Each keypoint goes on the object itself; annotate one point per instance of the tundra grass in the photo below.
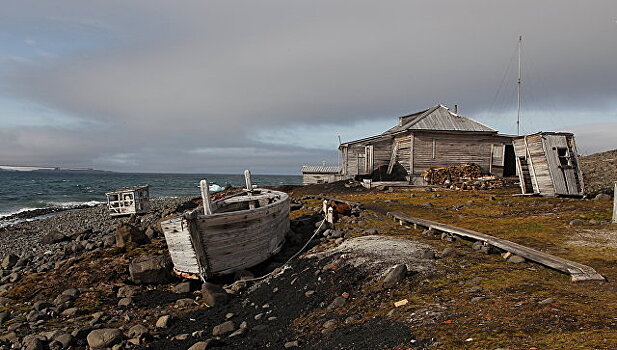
(480, 301)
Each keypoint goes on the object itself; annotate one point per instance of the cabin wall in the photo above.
(563, 163)
(382, 152)
(403, 153)
(354, 156)
(451, 149)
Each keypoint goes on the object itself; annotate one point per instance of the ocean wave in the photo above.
(75, 204)
(49, 205)
(15, 212)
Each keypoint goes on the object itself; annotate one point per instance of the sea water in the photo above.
(25, 191)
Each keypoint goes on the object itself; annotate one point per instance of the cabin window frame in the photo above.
(563, 156)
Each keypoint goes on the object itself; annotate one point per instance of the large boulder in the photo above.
(395, 274)
(213, 294)
(127, 233)
(223, 328)
(54, 237)
(150, 269)
(104, 338)
(9, 261)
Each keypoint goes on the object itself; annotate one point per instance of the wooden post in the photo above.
(615, 203)
(325, 206)
(247, 179)
(330, 216)
(205, 197)
(411, 155)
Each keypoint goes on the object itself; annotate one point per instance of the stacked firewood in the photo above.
(462, 177)
(453, 174)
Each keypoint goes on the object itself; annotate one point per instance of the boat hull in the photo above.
(225, 242)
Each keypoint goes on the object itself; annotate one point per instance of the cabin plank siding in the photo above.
(435, 137)
(552, 164)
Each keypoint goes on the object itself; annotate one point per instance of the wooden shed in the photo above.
(548, 164)
(128, 200)
(434, 137)
(319, 174)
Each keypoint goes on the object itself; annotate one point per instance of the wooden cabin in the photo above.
(319, 174)
(434, 137)
(128, 200)
(548, 164)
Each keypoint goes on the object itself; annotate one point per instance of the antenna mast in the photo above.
(518, 88)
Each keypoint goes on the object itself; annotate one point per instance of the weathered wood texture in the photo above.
(129, 200)
(615, 204)
(308, 179)
(578, 272)
(180, 245)
(228, 241)
(451, 149)
(548, 161)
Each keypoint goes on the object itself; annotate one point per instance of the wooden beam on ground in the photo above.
(578, 272)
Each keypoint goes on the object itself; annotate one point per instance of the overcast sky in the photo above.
(220, 86)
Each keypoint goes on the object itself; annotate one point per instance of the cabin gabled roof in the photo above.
(438, 118)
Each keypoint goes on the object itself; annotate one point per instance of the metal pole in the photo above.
(518, 88)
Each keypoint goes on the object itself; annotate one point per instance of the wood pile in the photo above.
(462, 177)
(449, 175)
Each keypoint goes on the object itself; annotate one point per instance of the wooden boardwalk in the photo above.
(578, 272)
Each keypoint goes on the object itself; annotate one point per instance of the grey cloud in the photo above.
(210, 74)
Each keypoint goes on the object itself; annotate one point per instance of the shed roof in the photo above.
(321, 169)
(542, 133)
(438, 118)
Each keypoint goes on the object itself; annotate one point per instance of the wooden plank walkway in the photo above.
(578, 272)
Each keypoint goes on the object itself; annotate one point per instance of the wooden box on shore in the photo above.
(129, 200)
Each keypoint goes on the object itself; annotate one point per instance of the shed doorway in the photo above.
(509, 162)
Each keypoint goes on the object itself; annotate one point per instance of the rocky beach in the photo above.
(82, 279)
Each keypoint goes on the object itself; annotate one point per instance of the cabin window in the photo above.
(564, 157)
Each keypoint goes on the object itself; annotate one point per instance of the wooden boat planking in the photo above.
(240, 231)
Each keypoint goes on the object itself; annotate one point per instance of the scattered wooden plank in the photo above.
(578, 272)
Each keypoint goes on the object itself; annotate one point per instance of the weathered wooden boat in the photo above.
(230, 234)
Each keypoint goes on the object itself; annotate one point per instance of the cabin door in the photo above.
(561, 162)
(368, 158)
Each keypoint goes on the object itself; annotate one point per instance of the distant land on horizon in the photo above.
(19, 168)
